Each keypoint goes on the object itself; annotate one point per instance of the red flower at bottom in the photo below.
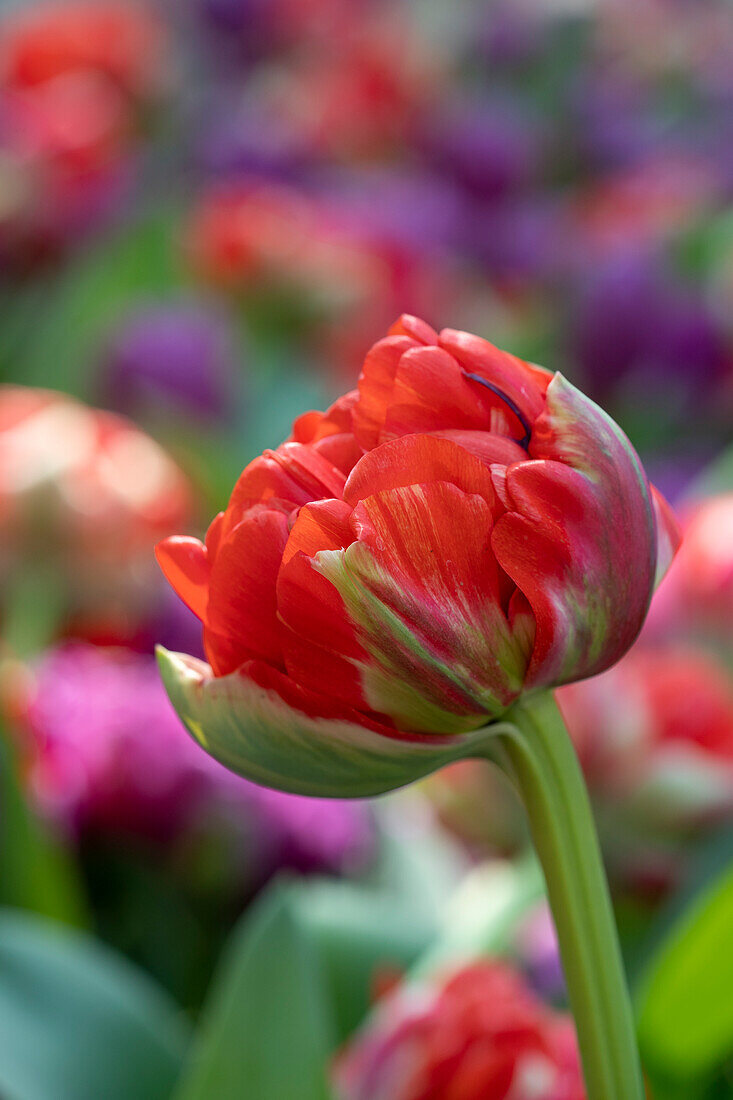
(482, 1035)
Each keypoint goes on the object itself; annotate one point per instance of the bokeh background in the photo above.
(209, 210)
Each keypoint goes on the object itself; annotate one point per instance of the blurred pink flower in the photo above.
(655, 738)
(696, 598)
(477, 1034)
(107, 754)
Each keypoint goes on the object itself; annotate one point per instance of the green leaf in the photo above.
(267, 1030)
(685, 1007)
(37, 872)
(78, 1022)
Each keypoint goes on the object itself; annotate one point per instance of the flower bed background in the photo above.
(209, 210)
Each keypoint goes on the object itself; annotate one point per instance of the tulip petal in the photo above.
(580, 542)
(261, 725)
(295, 473)
(523, 383)
(422, 589)
(409, 325)
(375, 388)
(242, 602)
(187, 568)
(420, 459)
(668, 534)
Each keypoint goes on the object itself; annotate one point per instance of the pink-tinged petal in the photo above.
(523, 383)
(187, 568)
(258, 723)
(242, 604)
(419, 459)
(375, 388)
(408, 325)
(422, 589)
(580, 540)
(295, 472)
(669, 535)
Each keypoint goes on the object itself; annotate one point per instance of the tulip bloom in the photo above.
(478, 1034)
(393, 588)
(463, 528)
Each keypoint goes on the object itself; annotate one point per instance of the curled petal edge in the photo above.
(255, 732)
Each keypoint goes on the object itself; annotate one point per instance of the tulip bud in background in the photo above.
(655, 738)
(84, 495)
(476, 1034)
(394, 577)
(696, 600)
(171, 359)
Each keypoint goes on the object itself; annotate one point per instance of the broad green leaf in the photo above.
(267, 1029)
(685, 1005)
(78, 1022)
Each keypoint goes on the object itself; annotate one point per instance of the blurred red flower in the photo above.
(480, 1034)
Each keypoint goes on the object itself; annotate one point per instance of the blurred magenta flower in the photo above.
(107, 754)
(177, 356)
(476, 1034)
(397, 574)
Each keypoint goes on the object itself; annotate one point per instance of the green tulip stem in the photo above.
(534, 749)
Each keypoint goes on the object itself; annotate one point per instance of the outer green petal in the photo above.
(255, 732)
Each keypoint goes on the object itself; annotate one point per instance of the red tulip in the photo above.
(464, 528)
(655, 738)
(480, 1034)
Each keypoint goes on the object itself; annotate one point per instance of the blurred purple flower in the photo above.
(110, 755)
(508, 33)
(632, 317)
(246, 139)
(613, 120)
(178, 356)
(400, 208)
(519, 239)
(489, 146)
(537, 947)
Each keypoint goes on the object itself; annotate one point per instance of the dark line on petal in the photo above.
(524, 441)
